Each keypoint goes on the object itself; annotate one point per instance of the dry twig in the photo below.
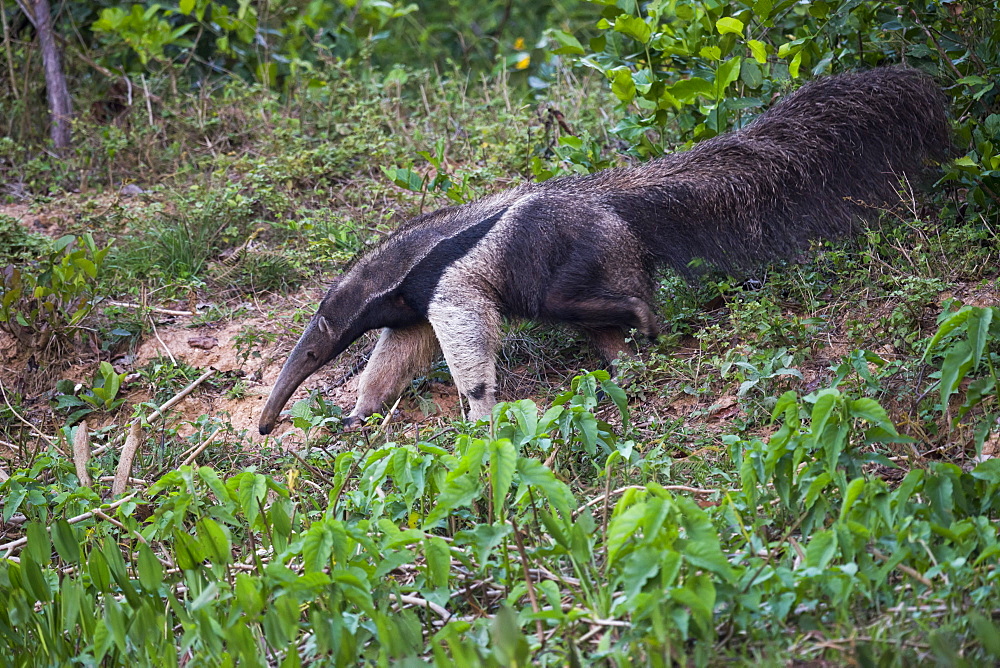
(127, 457)
(200, 448)
(81, 453)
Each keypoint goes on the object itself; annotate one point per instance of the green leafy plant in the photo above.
(314, 412)
(17, 244)
(443, 182)
(248, 342)
(81, 401)
(48, 302)
(966, 341)
(702, 68)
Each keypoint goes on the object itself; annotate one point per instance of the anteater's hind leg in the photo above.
(606, 320)
(602, 314)
(399, 356)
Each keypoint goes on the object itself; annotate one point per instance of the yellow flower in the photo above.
(523, 63)
(519, 43)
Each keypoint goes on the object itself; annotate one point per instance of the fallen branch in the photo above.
(127, 457)
(81, 453)
(164, 345)
(916, 575)
(414, 600)
(21, 542)
(154, 309)
(201, 447)
(158, 413)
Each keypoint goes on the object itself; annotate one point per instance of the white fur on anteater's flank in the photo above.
(583, 250)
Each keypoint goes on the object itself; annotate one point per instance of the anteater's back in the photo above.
(822, 158)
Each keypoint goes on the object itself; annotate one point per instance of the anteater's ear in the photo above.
(324, 325)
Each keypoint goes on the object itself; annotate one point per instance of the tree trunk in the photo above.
(60, 104)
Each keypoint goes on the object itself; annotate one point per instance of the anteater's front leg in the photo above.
(399, 356)
(468, 328)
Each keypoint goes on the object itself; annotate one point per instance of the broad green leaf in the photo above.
(97, 567)
(503, 461)
(821, 549)
(211, 478)
(687, 90)
(586, 422)
(826, 402)
(640, 566)
(988, 470)
(188, 551)
(622, 85)
(763, 9)
(508, 642)
(317, 546)
(35, 582)
(14, 496)
(869, 409)
(758, 50)
(698, 594)
(71, 597)
(728, 24)
(526, 413)
(568, 44)
(484, 538)
(251, 491)
(701, 547)
(752, 76)
(39, 547)
(438, 556)
(727, 73)
(979, 328)
(712, 53)
(618, 396)
(149, 568)
(854, 490)
(954, 368)
(215, 538)
(117, 623)
(793, 67)
(947, 326)
(536, 474)
(458, 492)
(248, 595)
(816, 487)
(634, 27)
(622, 527)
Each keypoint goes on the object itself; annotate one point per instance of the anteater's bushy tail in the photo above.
(813, 165)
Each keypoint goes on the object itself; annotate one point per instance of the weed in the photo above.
(80, 401)
(48, 302)
(248, 342)
(17, 244)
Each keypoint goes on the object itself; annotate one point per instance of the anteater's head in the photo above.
(367, 297)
